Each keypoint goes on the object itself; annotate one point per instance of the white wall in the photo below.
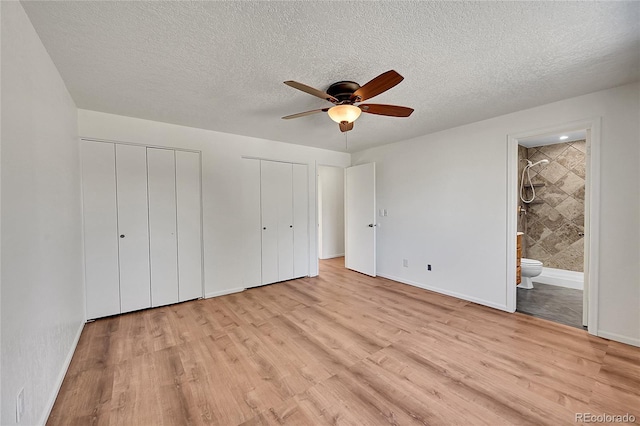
(221, 182)
(42, 290)
(331, 185)
(446, 194)
(0, 218)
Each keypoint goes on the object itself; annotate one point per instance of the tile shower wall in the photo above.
(555, 220)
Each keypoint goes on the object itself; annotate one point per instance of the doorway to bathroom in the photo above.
(551, 194)
(551, 177)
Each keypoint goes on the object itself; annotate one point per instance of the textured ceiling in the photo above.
(220, 65)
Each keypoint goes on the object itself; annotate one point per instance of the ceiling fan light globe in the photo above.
(348, 113)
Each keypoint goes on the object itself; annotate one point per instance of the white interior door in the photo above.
(100, 229)
(163, 241)
(300, 221)
(189, 225)
(251, 220)
(269, 192)
(360, 218)
(133, 227)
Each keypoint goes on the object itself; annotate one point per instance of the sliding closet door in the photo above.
(163, 242)
(275, 200)
(251, 224)
(284, 200)
(100, 229)
(133, 227)
(300, 221)
(277, 221)
(269, 182)
(189, 225)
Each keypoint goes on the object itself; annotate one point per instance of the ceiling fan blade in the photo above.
(345, 127)
(381, 83)
(310, 90)
(390, 110)
(302, 114)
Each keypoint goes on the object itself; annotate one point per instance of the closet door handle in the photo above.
(290, 226)
(264, 228)
(121, 235)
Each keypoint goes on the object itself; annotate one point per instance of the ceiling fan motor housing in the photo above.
(343, 90)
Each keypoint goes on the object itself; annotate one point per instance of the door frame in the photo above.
(592, 212)
(319, 205)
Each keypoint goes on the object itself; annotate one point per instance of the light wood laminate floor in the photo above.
(342, 348)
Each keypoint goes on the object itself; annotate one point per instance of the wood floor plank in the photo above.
(516, 403)
(332, 359)
(339, 328)
(218, 311)
(308, 364)
(342, 348)
(132, 400)
(226, 386)
(399, 374)
(275, 299)
(612, 400)
(561, 337)
(249, 308)
(370, 404)
(289, 412)
(90, 392)
(510, 342)
(364, 321)
(283, 377)
(517, 367)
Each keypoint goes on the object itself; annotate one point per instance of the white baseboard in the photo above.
(223, 292)
(561, 278)
(60, 379)
(619, 338)
(332, 256)
(446, 292)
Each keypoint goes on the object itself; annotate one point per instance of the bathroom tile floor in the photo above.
(559, 304)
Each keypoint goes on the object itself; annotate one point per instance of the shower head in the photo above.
(543, 161)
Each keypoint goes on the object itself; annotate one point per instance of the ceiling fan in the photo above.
(345, 94)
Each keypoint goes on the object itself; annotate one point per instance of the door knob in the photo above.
(265, 228)
(290, 226)
(371, 225)
(121, 235)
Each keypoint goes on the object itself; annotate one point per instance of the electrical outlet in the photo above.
(405, 263)
(428, 267)
(20, 405)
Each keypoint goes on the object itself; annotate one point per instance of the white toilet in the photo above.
(529, 268)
